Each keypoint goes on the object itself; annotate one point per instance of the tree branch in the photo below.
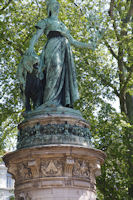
(111, 9)
(78, 6)
(130, 13)
(4, 7)
(106, 82)
(111, 14)
(18, 49)
(127, 80)
(110, 49)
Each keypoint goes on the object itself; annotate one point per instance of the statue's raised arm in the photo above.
(55, 64)
(65, 32)
(40, 30)
(79, 44)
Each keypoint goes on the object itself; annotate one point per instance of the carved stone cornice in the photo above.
(38, 170)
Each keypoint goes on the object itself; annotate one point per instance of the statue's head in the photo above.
(52, 7)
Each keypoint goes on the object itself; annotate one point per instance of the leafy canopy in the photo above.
(104, 75)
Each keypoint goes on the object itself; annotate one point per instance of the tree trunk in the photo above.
(129, 106)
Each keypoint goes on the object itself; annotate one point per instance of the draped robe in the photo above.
(60, 74)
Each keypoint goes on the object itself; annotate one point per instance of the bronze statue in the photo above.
(56, 60)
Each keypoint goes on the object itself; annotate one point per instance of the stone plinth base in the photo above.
(55, 172)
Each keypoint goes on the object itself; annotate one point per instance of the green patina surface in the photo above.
(53, 134)
(53, 110)
(55, 68)
(56, 63)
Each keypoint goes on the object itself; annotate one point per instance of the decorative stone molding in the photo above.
(33, 165)
(51, 168)
(54, 167)
(54, 160)
(68, 166)
(23, 171)
(23, 196)
(55, 172)
(81, 169)
(53, 130)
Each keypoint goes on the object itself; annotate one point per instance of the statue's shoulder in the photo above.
(63, 28)
(41, 24)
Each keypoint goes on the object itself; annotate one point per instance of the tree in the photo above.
(121, 16)
(103, 76)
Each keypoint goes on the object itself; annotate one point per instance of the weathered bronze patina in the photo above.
(55, 66)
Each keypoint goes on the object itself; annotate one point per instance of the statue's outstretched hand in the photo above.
(97, 39)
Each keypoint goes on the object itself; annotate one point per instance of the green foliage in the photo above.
(103, 76)
(12, 198)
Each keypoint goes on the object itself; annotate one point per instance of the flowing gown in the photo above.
(60, 74)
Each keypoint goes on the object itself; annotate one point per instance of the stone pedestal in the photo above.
(55, 172)
(54, 160)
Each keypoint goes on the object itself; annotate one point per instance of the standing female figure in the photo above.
(56, 59)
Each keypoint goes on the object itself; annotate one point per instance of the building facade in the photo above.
(6, 184)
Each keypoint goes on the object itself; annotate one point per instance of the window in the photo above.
(9, 182)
